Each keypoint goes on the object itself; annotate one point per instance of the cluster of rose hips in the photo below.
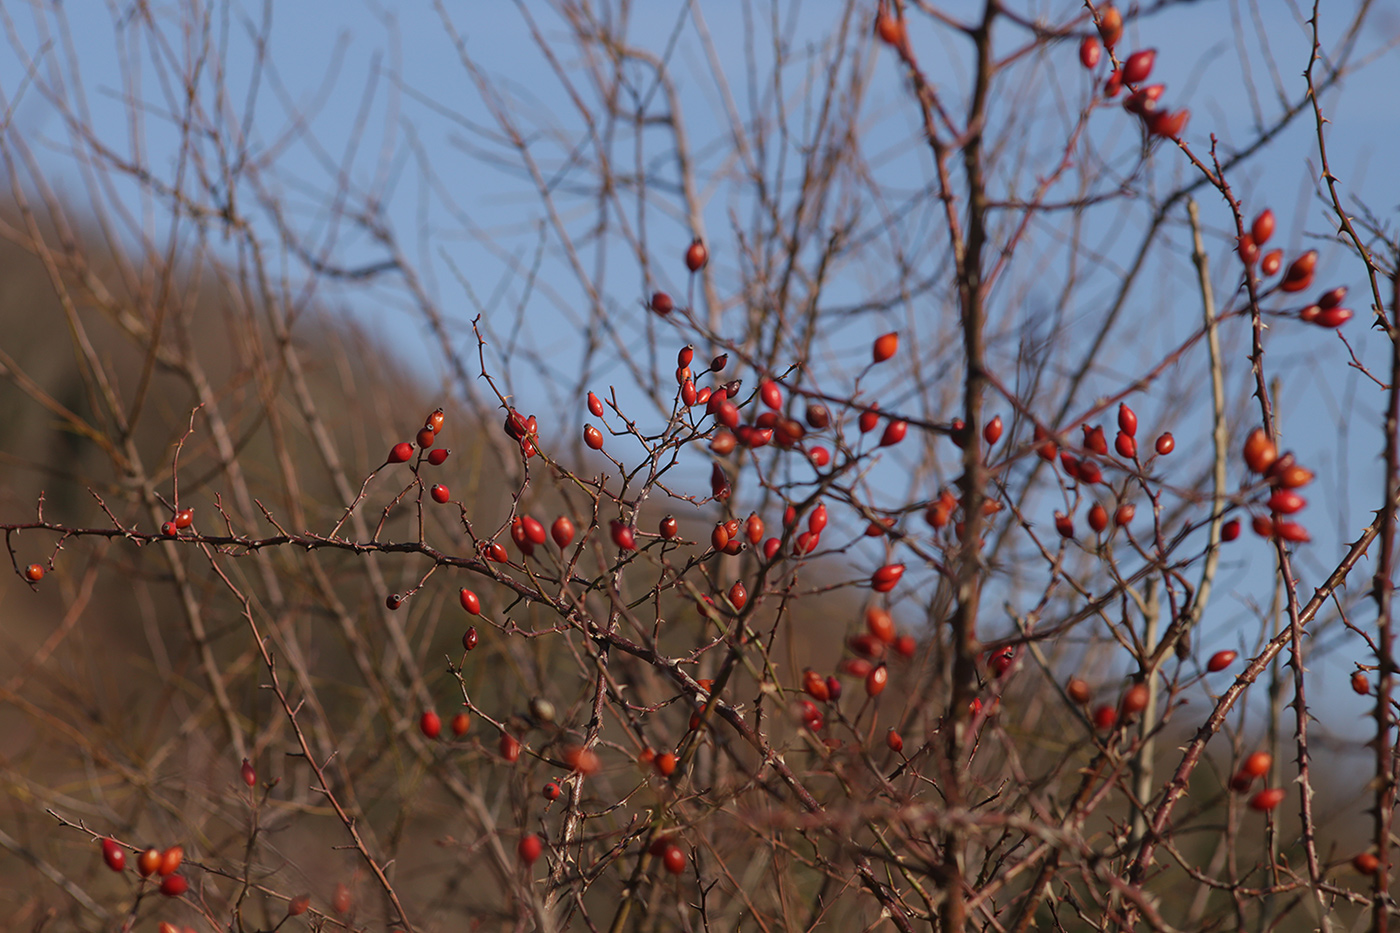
(181, 520)
(1084, 469)
(866, 663)
(162, 864)
(1142, 101)
(1285, 476)
(1326, 311)
(1256, 766)
(1134, 699)
(426, 438)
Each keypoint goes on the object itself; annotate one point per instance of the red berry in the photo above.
(771, 548)
(1366, 863)
(470, 602)
(1078, 691)
(815, 686)
(562, 531)
(661, 302)
(401, 452)
(1332, 317)
(1098, 517)
(669, 527)
(148, 862)
(885, 346)
(1127, 420)
(623, 536)
(885, 579)
(469, 637)
(753, 529)
(551, 791)
(595, 406)
(1286, 502)
(1257, 764)
(894, 740)
(665, 764)
(880, 623)
(1266, 800)
(174, 885)
(1169, 124)
(674, 860)
(437, 455)
(1230, 530)
(340, 901)
(1089, 52)
(1064, 525)
(460, 724)
(696, 256)
(817, 416)
(168, 529)
(530, 849)
(1300, 272)
(113, 855)
(816, 522)
(440, 493)
(580, 759)
(1165, 443)
(868, 420)
(1259, 451)
(1360, 683)
(889, 29)
(393, 601)
(1094, 440)
(855, 667)
(298, 905)
(738, 595)
(1090, 473)
(1263, 527)
(1263, 227)
(991, 432)
(431, 724)
(894, 433)
(1139, 66)
(592, 437)
(1104, 717)
(1124, 514)
(184, 518)
(34, 573)
(1333, 298)
(1292, 531)
(904, 646)
(1135, 700)
(876, 680)
(246, 772)
(509, 748)
(170, 860)
(1221, 660)
(1271, 263)
(532, 529)
(426, 438)
(1125, 445)
(1113, 84)
(1110, 25)
(771, 395)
